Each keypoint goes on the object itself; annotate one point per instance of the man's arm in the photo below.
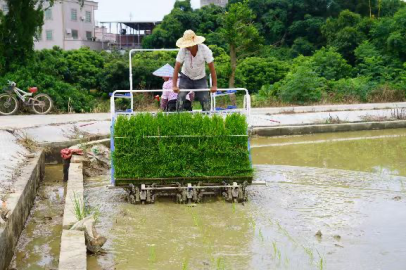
(212, 69)
(175, 77)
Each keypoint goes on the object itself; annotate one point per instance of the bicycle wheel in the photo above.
(42, 104)
(8, 104)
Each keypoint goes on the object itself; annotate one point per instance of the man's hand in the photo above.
(214, 89)
(175, 89)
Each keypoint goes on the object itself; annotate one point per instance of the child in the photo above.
(169, 97)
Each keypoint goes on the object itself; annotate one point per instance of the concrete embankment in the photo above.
(73, 248)
(16, 206)
(326, 128)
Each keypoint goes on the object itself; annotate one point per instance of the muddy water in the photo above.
(39, 244)
(378, 151)
(359, 208)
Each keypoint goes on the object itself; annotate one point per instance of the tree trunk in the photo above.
(232, 65)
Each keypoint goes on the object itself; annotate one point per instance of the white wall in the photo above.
(55, 24)
(61, 20)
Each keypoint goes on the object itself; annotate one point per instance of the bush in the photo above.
(66, 97)
(254, 72)
(180, 145)
(115, 76)
(84, 66)
(301, 86)
(328, 63)
(352, 89)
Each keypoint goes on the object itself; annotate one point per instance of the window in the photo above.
(48, 14)
(49, 35)
(88, 35)
(38, 36)
(75, 34)
(88, 17)
(74, 14)
(5, 9)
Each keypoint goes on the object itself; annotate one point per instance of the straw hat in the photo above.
(189, 39)
(165, 71)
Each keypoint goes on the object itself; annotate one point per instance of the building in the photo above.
(221, 3)
(68, 25)
(124, 34)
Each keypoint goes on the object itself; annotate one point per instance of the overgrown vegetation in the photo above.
(180, 145)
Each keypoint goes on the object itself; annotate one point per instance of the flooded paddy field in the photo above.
(39, 243)
(332, 201)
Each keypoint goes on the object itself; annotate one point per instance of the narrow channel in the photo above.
(39, 243)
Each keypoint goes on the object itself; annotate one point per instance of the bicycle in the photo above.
(40, 103)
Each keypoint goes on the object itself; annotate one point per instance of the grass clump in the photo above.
(180, 145)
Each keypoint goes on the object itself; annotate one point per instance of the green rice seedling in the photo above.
(180, 145)
(321, 261)
(286, 261)
(220, 264)
(275, 249)
(253, 223)
(234, 207)
(152, 255)
(261, 235)
(185, 264)
(286, 233)
(309, 252)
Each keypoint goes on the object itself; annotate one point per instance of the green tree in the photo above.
(330, 64)
(389, 34)
(18, 28)
(241, 35)
(165, 35)
(303, 47)
(345, 33)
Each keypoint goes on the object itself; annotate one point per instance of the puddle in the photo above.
(352, 197)
(39, 243)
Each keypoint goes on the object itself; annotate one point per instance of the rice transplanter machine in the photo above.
(184, 189)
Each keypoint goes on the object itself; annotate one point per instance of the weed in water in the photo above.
(81, 210)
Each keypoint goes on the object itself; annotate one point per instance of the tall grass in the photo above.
(180, 145)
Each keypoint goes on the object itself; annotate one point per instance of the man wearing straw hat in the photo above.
(193, 56)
